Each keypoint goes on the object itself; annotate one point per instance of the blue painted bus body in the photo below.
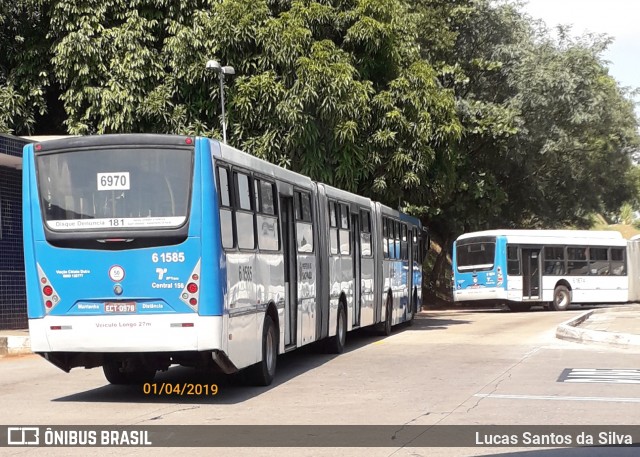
(487, 280)
(115, 279)
(151, 278)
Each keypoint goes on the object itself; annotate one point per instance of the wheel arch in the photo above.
(563, 282)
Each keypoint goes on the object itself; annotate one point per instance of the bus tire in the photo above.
(336, 344)
(386, 330)
(414, 308)
(114, 374)
(263, 372)
(561, 298)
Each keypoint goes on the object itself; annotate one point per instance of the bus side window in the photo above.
(392, 238)
(345, 230)
(245, 227)
(385, 237)
(598, 262)
(617, 262)
(266, 218)
(333, 227)
(396, 243)
(415, 247)
(365, 233)
(513, 261)
(554, 260)
(304, 227)
(577, 261)
(226, 211)
(404, 243)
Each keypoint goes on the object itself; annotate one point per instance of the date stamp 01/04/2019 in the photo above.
(180, 388)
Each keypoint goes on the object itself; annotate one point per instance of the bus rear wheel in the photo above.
(336, 344)
(561, 299)
(386, 330)
(414, 307)
(263, 372)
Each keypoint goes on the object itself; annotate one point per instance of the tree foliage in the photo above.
(25, 64)
(334, 89)
(466, 112)
(547, 132)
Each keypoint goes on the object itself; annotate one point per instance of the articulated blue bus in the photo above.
(145, 251)
(552, 268)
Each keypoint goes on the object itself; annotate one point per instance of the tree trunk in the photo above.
(439, 287)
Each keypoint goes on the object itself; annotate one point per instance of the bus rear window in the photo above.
(114, 189)
(475, 254)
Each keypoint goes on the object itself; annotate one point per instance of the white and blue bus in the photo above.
(144, 251)
(553, 268)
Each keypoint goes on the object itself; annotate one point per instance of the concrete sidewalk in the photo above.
(14, 342)
(617, 326)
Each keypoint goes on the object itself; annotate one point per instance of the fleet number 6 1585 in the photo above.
(168, 257)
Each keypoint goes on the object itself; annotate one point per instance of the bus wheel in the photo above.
(337, 343)
(113, 371)
(561, 298)
(387, 321)
(263, 372)
(414, 307)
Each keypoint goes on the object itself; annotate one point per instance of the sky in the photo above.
(620, 19)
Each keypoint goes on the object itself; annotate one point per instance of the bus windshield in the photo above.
(476, 253)
(124, 188)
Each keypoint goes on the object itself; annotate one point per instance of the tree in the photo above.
(25, 69)
(333, 89)
(542, 123)
(462, 111)
(578, 132)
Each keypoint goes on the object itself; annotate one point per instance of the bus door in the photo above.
(531, 273)
(357, 276)
(290, 271)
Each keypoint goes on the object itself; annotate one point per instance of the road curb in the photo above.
(570, 331)
(14, 345)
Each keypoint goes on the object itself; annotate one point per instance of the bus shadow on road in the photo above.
(426, 321)
(229, 389)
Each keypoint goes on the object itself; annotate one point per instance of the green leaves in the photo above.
(462, 111)
(24, 65)
(415, 116)
(579, 131)
(541, 144)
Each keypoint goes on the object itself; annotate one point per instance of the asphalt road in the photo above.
(449, 368)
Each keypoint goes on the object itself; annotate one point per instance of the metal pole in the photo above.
(224, 121)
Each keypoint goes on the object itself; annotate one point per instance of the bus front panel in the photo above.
(479, 268)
